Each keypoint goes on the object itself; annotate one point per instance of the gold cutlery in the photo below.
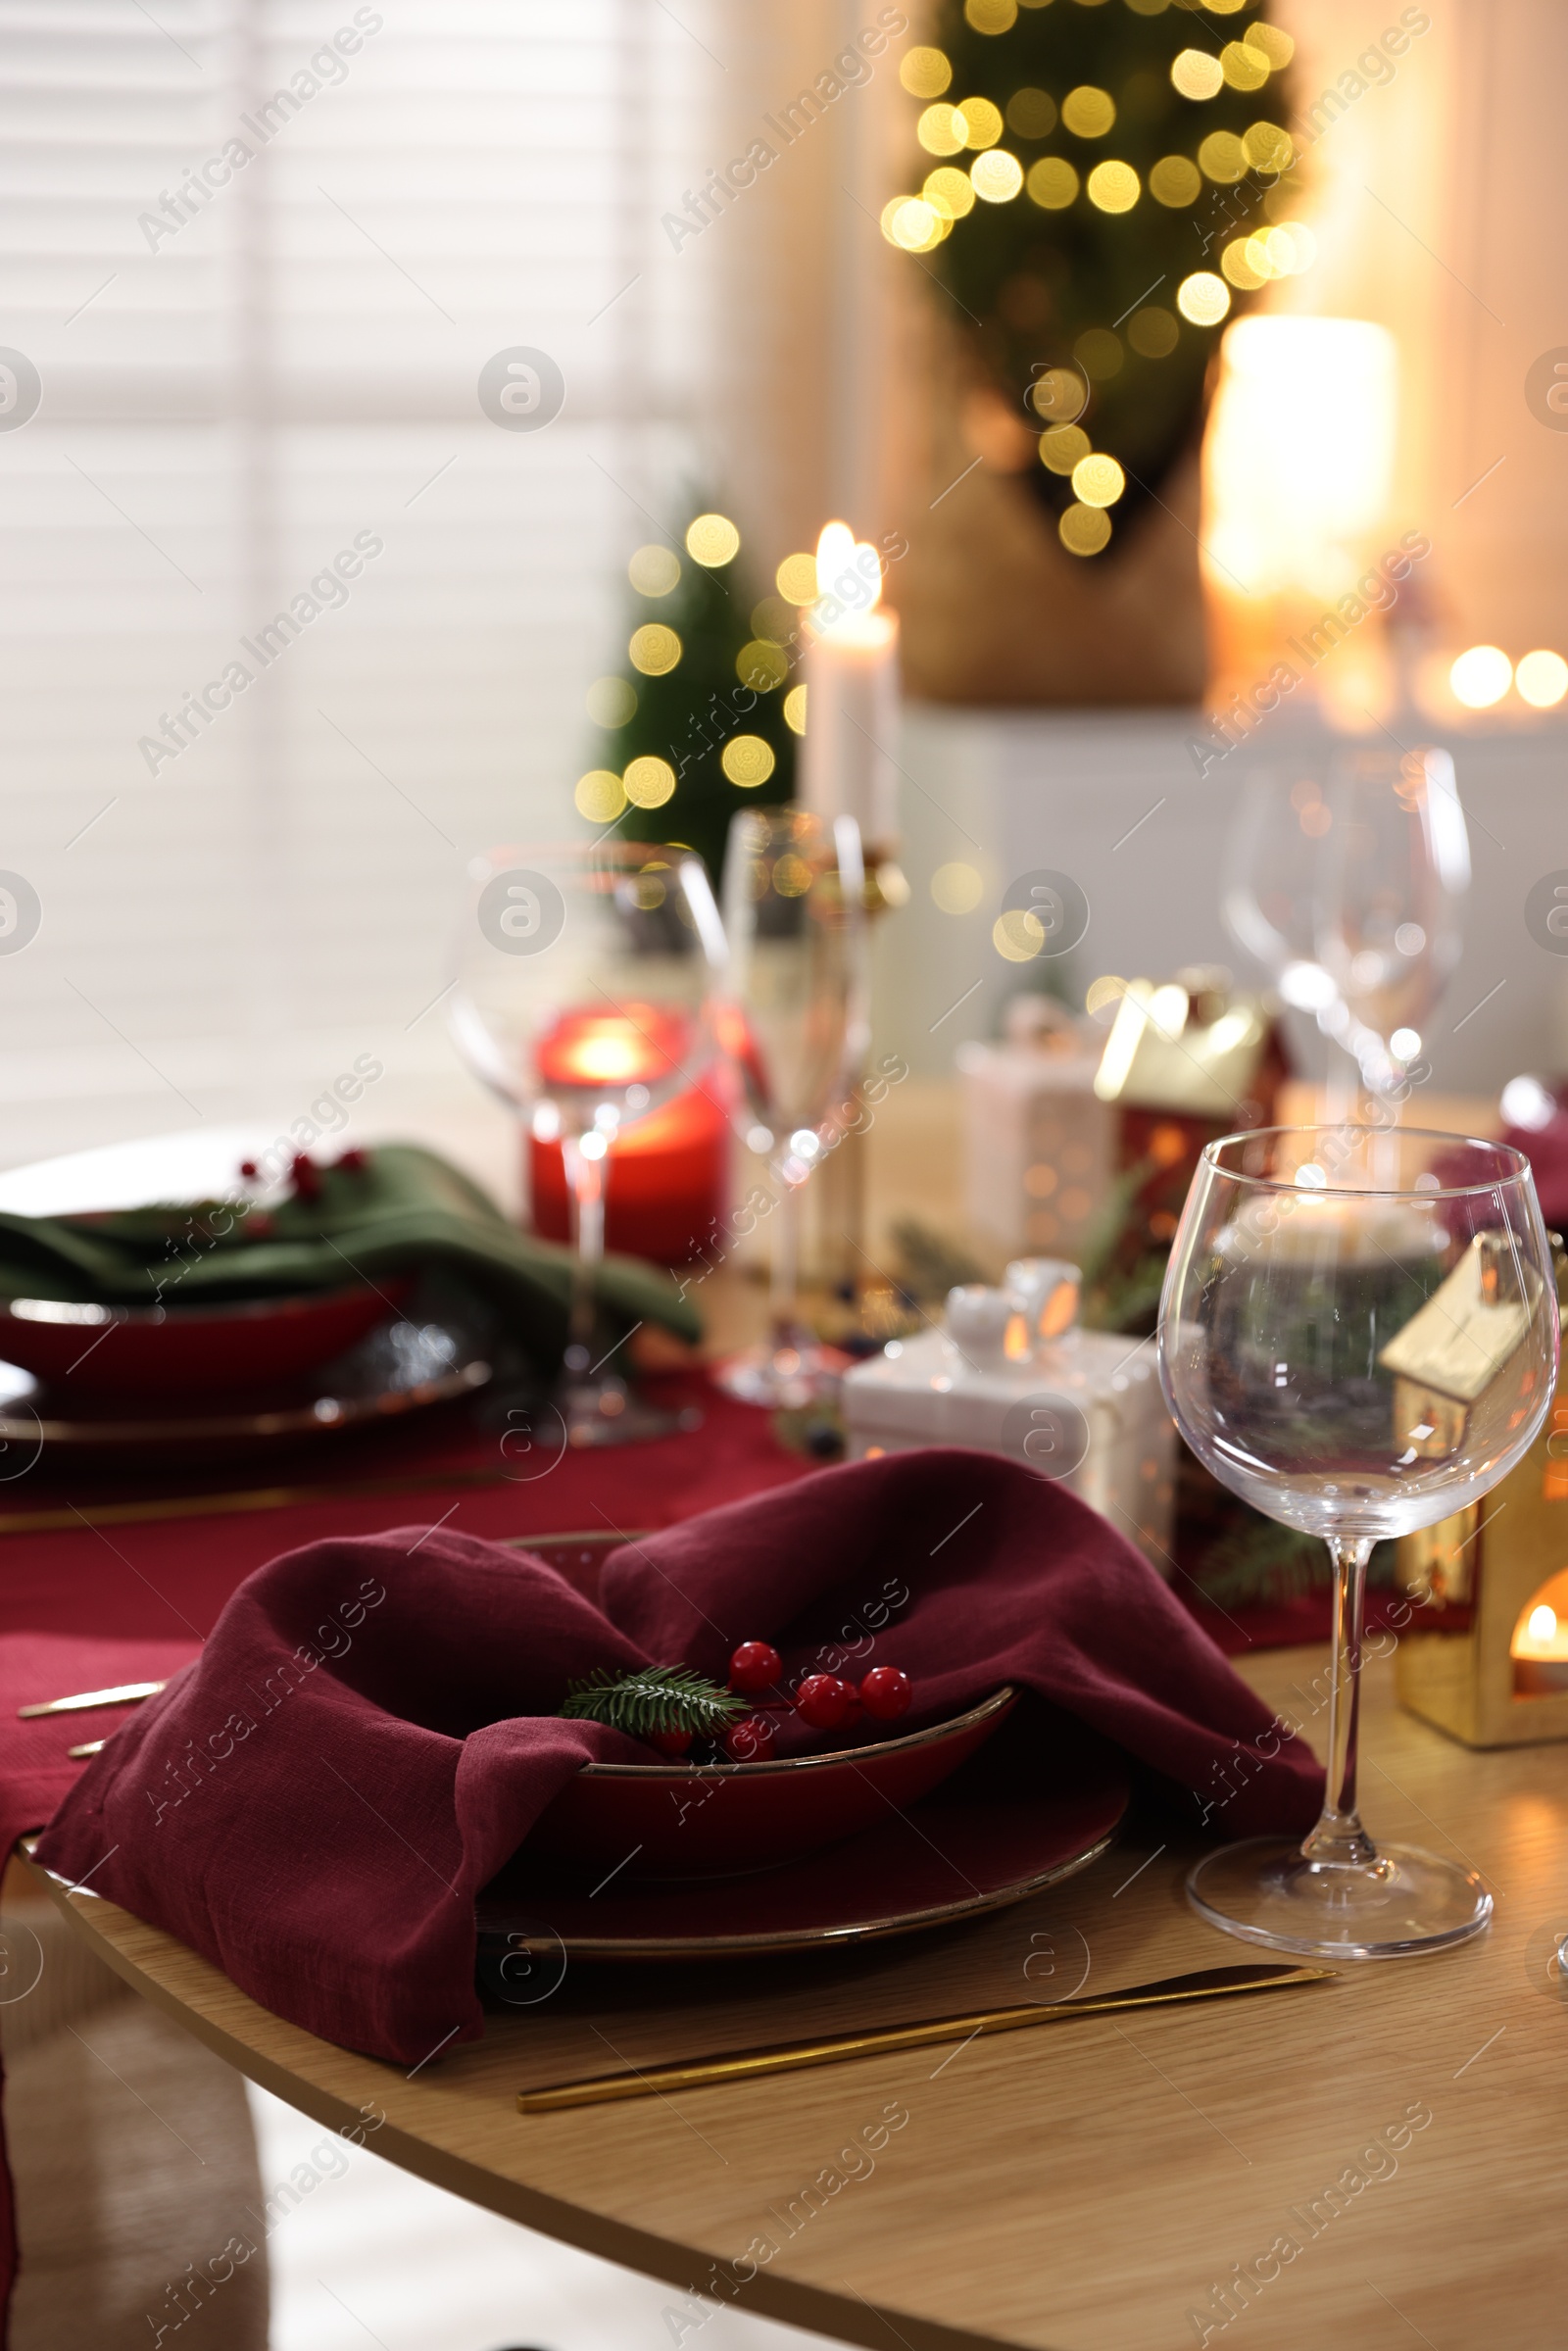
(123, 1693)
(94, 1747)
(1207, 1984)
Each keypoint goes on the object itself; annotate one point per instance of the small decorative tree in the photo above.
(705, 714)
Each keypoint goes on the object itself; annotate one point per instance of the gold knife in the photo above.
(786, 2057)
(123, 1693)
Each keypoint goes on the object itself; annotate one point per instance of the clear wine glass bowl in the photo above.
(583, 996)
(1359, 1334)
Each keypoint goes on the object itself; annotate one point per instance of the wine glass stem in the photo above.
(784, 1286)
(1339, 1835)
(585, 1179)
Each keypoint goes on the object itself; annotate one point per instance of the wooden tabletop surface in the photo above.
(1385, 2154)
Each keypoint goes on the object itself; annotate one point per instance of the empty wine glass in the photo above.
(1395, 859)
(583, 996)
(797, 1015)
(1359, 1335)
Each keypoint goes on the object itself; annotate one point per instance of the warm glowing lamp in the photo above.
(1298, 461)
(852, 702)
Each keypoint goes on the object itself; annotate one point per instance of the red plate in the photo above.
(188, 1350)
(680, 1821)
(1042, 1800)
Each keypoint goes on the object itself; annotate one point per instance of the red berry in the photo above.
(823, 1701)
(669, 1742)
(755, 1665)
(885, 1692)
(351, 1162)
(749, 1740)
(247, 1168)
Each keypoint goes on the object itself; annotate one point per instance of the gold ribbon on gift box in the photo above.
(1186, 1045)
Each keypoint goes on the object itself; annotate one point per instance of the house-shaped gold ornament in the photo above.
(1485, 1658)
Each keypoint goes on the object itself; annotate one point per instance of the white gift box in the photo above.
(1039, 1144)
(1009, 1372)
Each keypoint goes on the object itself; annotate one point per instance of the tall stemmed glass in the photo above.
(1394, 867)
(796, 1009)
(583, 996)
(1359, 1335)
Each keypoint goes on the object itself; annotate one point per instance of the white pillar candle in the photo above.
(852, 698)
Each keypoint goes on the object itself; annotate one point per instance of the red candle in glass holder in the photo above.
(667, 1175)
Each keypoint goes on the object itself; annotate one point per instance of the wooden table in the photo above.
(1085, 2186)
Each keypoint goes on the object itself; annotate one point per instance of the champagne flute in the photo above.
(1359, 1335)
(796, 1009)
(583, 997)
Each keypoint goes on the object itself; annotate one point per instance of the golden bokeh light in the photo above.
(1148, 8)
(1302, 243)
(794, 710)
(611, 700)
(653, 571)
(1031, 114)
(1018, 934)
(925, 73)
(791, 876)
(1243, 65)
(1481, 677)
(1059, 395)
(712, 540)
(1226, 8)
(1098, 352)
(599, 796)
(991, 16)
(950, 192)
(997, 175)
(1114, 188)
(1195, 73)
(796, 579)
(761, 665)
(1265, 147)
(1063, 447)
(774, 620)
(1098, 481)
(654, 649)
(982, 123)
(748, 760)
(1152, 332)
(1276, 46)
(1084, 529)
(957, 888)
(1222, 158)
(649, 782)
(1236, 263)
(1175, 180)
(1053, 183)
(910, 223)
(942, 131)
(1204, 298)
(1102, 992)
(1543, 679)
(1086, 112)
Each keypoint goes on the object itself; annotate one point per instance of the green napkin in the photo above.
(400, 1210)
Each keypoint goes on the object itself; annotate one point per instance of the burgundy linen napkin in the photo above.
(1546, 1149)
(370, 1731)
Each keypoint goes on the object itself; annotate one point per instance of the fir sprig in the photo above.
(653, 1697)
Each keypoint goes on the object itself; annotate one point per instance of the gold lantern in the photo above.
(1485, 1655)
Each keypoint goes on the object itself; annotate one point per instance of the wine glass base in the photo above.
(1404, 1901)
(610, 1414)
(782, 1378)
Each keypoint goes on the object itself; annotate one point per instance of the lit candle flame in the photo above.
(1542, 1625)
(849, 578)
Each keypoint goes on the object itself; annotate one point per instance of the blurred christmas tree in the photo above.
(1123, 187)
(706, 716)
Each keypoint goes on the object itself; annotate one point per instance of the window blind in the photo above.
(291, 625)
